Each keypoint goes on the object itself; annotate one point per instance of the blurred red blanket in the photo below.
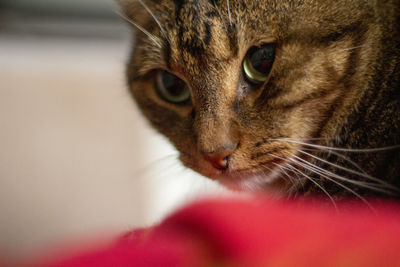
(259, 232)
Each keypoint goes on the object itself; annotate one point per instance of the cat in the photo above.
(298, 97)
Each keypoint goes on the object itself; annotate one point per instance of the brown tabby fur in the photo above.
(334, 82)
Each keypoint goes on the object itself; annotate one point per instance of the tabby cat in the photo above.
(293, 96)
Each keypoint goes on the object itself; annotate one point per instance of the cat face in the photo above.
(237, 86)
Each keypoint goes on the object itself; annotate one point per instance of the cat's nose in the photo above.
(219, 160)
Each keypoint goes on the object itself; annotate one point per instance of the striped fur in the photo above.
(334, 83)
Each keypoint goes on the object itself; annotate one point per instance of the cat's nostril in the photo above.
(219, 160)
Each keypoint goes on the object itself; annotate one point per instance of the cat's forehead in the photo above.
(201, 35)
(198, 34)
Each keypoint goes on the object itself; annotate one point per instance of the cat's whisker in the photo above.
(291, 168)
(387, 185)
(165, 175)
(157, 162)
(351, 48)
(152, 37)
(253, 187)
(325, 173)
(299, 181)
(305, 166)
(295, 183)
(329, 151)
(318, 185)
(229, 12)
(270, 170)
(288, 165)
(285, 173)
(174, 176)
(310, 139)
(354, 150)
(338, 155)
(309, 178)
(155, 19)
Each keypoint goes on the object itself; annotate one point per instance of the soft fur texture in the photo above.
(333, 91)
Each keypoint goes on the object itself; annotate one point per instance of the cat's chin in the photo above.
(256, 181)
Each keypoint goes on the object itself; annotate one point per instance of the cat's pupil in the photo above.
(171, 88)
(258, 63)
(173, 84)
(262, 59)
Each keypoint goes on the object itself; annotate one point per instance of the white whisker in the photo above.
(383, 183)
(308, 178)
(338, 155)
(286, 164)
(155, 19)
(299, 181)
(351, 48)
(318, 185)
(170, 159)
(284, 172)
(355, 150)
(324, 172)
(334, 181)
(152, 37)
(293, 181)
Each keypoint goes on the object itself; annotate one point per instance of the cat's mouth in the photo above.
(264, 176)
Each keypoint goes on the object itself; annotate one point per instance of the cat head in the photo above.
(238, 85)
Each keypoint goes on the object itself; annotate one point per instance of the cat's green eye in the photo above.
(258, 63)
(170, 88)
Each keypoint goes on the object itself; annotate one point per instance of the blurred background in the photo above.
(76, 157)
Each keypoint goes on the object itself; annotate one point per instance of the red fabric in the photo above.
(259, 232)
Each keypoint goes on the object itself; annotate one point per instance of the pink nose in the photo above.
(219, 160)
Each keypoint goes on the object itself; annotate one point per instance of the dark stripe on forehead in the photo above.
(178, 7)
(207, 31)
(326, 38)
(233, 39)
(178, 4)
(342, 31)
(195, 23)
(167, 54)
(190, 32)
